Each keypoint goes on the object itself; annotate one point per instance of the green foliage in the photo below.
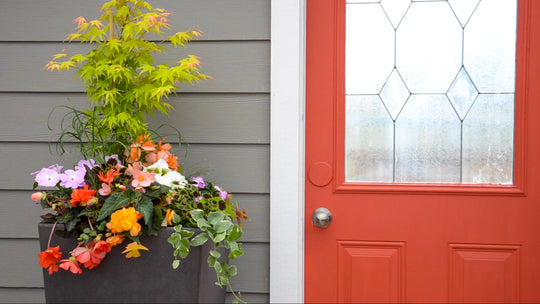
(120, 76)
(219, 228)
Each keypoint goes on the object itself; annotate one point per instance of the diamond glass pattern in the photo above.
(462, 93)
(394, 94)
(444, 112)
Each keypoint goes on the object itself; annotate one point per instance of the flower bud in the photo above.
(92, 201)
(38, 196)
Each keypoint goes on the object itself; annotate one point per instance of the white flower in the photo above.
(160, 167)
(172, 179)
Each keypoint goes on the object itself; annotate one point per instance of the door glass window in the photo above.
(429, 91)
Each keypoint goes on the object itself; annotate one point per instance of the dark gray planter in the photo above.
(149, 278)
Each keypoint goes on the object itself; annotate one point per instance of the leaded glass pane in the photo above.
(428, 44)
(429, 90)
(488, 141)
(368, 66)
(428, 141)
(490, 44)
(368, 140)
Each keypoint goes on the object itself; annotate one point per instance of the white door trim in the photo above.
(287, 151)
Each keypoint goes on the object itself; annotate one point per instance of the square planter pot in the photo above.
(149, 278)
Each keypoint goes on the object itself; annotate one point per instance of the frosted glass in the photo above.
(368, 140)
(463, 9)
(369, 50)
(488, 140)
(395, 9)
(428, 141)
(462, 93)
(394, 94)
(428, 44)
(429, 88)
(489, 50)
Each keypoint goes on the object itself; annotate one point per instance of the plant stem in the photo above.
(50, 235)
(90, 223)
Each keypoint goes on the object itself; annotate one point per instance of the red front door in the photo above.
(392, 241)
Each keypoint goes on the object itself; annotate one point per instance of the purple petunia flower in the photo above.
(72, 179)
(48, 177)
(200, 181)
(82, 164)
(115, 156)
(222, 193)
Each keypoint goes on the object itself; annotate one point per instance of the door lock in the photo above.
(321, 217)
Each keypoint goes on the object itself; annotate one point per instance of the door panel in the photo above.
(413, 241)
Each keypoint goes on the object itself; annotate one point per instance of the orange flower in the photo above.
(132, 250)
(109, 176)
(146, 143)
(169, 216)
(82, 196)
(173, 162)
(49, 257)
(101, 247)
(125, 220)
(71, 265)
(135, 153)
(116, 239)
(165, 147)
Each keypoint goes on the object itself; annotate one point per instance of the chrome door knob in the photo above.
(321, 217)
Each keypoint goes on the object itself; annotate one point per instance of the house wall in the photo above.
(225, 121)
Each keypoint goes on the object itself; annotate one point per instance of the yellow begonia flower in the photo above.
(132, 250)
(125, 220)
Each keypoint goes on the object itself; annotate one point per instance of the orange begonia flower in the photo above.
(116, 239)
(71, 265)
(169, 216)
(49, 257)
(165, 147)
(132, 250)
(109, 176)
(125, 220)
(82, 196)
(146, 143)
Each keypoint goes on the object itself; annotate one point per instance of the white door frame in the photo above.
(287, 151)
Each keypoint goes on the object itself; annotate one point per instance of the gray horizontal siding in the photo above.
(201, 118)
(21, 295)
(29, 274)
(236, 67)
(224, 121)
(18, 213)
(219, 19)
